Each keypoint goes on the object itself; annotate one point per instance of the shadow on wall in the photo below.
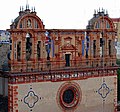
(3, 104)
(118, 81)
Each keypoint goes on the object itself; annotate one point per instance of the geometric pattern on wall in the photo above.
(31, 99)
(104, 90)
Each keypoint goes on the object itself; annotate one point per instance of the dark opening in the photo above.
(109, 44)
(94, 48)
(10, 47)
(38, 49)
(18, 50)
(101, 42)
(68, 96)
(28, 47)
(112, 64)
(86, 53)
(67, 58)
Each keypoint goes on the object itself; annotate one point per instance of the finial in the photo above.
(26, 6)
(20, 8)
(34, 9)
(94, 13)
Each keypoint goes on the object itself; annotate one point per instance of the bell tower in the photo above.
(27, 32)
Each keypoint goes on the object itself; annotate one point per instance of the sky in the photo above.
(58, 14)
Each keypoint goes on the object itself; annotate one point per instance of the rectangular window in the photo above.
(86, 53)
(94, 48)
(67, 58)
(109, 46)
(39, 49)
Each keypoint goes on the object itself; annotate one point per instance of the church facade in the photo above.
(62, 70)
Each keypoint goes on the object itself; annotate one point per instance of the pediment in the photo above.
(68, 47)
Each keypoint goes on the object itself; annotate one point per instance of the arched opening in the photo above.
(29, 25)
(18, 51)
(28, 46)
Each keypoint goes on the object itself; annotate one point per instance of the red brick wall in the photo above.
(12, 98)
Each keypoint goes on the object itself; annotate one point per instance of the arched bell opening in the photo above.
(28, 46)
(18, 51)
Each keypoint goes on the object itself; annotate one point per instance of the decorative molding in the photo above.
(54, 76)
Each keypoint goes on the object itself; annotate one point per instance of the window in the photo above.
(18, 50)
(10, 47)
(24, 23)
(35, 24)
(67, 58)
(109, 45)
(29, 25)
(87, 46)
(97, 25)
(86, 53)
(94, 48)
(69, 96)
(20, 25)
(38, 49)
(107, 25)
(28, 46)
